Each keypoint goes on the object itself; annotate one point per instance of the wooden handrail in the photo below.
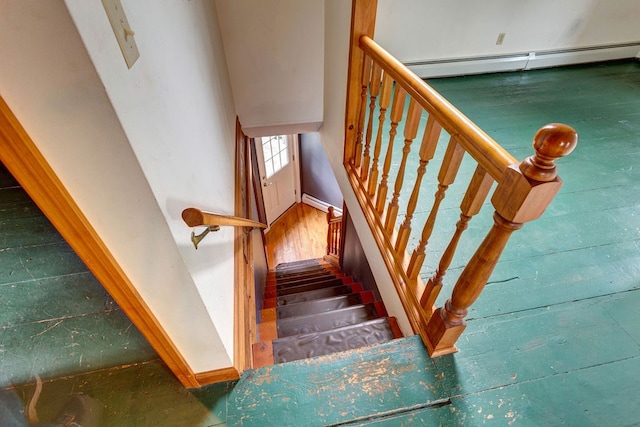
(523, 192)
(195, 217)
(487, 152)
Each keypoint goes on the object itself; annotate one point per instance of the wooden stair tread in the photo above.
(311, 295)
(308, 287)
(305, 279)
(297, 264)
(335, 340)
(327, 320)
(318, 306)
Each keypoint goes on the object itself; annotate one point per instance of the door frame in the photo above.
(295, 159)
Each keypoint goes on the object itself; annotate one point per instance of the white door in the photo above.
(277, 161)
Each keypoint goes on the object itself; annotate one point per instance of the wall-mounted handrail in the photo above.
(194, 217)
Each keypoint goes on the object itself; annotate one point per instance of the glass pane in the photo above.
(276, 164)
(282, 142)
(284, 158)
(266, 148)
(276, 153)
(269, 168)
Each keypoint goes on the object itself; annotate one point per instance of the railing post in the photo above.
(522, 195)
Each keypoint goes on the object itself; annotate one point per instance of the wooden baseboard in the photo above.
(217, 376)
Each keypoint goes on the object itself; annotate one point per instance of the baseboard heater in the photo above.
(320, 204)
(523, 61)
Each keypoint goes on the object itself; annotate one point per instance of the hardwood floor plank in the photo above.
(300, 233)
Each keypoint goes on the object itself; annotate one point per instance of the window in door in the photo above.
(276, 154)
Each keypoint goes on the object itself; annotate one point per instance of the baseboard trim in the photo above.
(217, 376)
(320, 204)
(523, 60)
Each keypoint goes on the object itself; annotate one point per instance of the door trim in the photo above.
(294, 145)
(29, 167)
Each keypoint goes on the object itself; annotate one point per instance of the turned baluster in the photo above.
(366, 74)
(397, 108)
(522, 195)
(330, 232)
(448, 171)
(385, 97)
(410, 132)
(374, 89)
(474, 197)
(427, 151)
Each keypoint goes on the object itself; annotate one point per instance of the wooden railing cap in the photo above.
(550, 142)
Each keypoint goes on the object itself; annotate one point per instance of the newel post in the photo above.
(522, 195)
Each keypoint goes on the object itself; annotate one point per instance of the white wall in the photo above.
(274, 51)
(428, 30)
(134, 147)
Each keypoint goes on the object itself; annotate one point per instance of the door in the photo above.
(278, 173)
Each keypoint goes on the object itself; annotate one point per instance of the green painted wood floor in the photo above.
(553, 340)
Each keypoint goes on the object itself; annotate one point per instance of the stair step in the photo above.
(311, 295)
(297, 264)
(326, 321)
(303, 346)
(305, 279)
(318, 306)
(297, 273)
(309, 287)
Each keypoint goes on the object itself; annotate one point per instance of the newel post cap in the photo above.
(550, 142)
(525, 190)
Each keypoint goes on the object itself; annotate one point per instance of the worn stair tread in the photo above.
(309, 287)
(335, 340)
(299, 263)
(327, 320)
(299, 268)
(305, 279)
(318, 306)
(299, 273)
(311, 295)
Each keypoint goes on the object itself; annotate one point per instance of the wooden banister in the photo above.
(523, 193)
(493, 158)
(524, 189)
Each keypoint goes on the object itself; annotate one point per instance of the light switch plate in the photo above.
(124, 33)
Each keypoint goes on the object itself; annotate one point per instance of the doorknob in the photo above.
(267, 184)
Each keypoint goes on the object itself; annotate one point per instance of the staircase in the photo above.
(311, 309)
